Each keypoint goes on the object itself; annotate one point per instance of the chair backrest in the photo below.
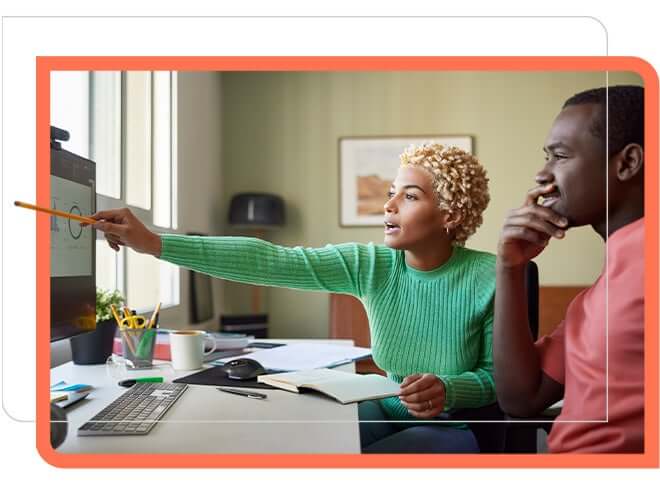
(532, 287)
(493, 437)
(348, 320)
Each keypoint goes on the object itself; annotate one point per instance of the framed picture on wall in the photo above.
(367, 168)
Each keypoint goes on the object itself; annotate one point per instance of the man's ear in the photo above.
(630, 162)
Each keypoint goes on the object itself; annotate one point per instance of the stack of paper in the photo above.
(305, 356)
(230, 341)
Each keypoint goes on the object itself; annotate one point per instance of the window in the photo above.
(137, 139)
(105, 129)
(126, 123)
(69, 108)
(163, 114)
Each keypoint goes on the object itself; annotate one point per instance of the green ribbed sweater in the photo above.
(438, 321)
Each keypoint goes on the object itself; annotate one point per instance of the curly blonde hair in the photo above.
(459, 181)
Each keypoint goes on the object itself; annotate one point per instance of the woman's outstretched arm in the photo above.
(347, 268)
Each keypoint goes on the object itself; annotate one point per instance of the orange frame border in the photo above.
(44, 65)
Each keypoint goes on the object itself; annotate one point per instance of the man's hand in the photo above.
(528, 229)
(122, 228)
(423, 394)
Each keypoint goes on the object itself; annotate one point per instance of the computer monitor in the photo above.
(201, 295)
(72, 248)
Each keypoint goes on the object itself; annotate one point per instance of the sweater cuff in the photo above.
(450, 393)
(165, 245)
(466, 391)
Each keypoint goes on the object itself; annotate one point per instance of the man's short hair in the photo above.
(625, 121)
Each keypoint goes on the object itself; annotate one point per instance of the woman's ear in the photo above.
(631, 161)
(451, 221)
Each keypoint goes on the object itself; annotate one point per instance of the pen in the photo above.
(247, 394)
(340, 363)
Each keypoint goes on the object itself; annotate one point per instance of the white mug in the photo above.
(187, 349)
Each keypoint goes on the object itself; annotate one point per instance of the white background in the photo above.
(631, 31)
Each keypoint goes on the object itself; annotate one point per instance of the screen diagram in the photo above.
(70, 243)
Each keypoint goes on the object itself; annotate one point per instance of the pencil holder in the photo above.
(138, 347)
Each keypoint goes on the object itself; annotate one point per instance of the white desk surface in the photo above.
(205, 420)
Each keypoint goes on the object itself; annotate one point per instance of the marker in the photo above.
(130, 382)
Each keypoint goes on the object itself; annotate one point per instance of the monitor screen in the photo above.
(201, 295)
(72, 249)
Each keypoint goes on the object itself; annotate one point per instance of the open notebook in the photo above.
(342, 386)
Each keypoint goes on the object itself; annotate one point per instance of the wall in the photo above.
(280, 135)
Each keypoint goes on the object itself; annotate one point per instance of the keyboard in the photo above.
(135, 412)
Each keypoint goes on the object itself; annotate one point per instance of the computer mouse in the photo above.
(243, 369)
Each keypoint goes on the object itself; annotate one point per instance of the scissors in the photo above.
(133, 322)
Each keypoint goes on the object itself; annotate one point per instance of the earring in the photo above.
(447, 229)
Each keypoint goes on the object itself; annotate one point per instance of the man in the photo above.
(594, 359)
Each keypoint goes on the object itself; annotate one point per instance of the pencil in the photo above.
(128, 340)
(153, 317)
(53, 211)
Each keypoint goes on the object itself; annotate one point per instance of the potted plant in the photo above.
(95, 347)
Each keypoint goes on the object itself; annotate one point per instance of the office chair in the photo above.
(505, 434)
(521, 435)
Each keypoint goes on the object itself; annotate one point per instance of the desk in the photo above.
(205, 420)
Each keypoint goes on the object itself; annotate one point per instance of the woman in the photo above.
(429, 300)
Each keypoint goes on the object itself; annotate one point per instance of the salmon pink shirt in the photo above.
(602, 370)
